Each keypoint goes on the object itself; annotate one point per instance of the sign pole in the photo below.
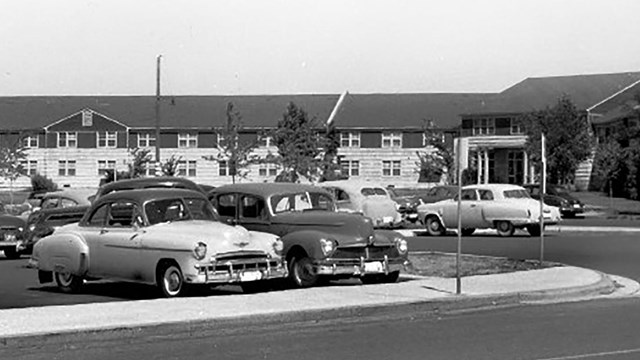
(543, 191)
(459, 247)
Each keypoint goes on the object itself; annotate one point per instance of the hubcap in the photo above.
(65, 279)
(172, 282)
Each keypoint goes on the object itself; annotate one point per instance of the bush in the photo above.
(41, 183)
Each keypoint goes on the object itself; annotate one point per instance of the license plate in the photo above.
(373, 267)
(250, 276)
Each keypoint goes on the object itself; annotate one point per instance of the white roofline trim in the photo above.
(612, 96)
(46, 128)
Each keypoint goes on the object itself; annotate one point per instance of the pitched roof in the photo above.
(405, 110)
(539, 93)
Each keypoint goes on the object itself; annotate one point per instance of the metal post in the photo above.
(158, 112)
(543, 191)
(459, 247)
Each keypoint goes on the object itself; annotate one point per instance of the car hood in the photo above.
(219, 237)
(10, 222)
(346, 228)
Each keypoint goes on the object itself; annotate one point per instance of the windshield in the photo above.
(516, 194)
(168, 210)
(373, 192)
(302, 201)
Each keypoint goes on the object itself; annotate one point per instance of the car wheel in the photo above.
(381, 278)
(170, 280)
(533, 230)
(505, 228)
(68, 282)
(434, 226)
(11, 253)
(303, 272)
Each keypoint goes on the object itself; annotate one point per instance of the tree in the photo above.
(141, 159)
(300, 145)
(12, 155)
(568, 139)
(330, 163)
(237, 153)
(170, 166)
(438, 160)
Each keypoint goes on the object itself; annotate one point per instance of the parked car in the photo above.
(44, 222)
(11, 228)
(502, 207)
(160, 182)
(65, 198)
(438, 193)
(319, 242)
(559, 197)
(167, 237)
(367, 198)
(409, 199)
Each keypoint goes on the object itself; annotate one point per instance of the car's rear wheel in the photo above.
(68, 282)
(170, 280)
(533, 230)
(505, 228)
(434, 226)
(468, 231)
(380, 278)
(302, 271)
(11, 253)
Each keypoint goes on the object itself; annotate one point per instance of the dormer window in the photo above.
(107, 139)
(87, 118)
(391, 140)
(350, 139)
(484, 127)
(67, 139)
(186, 140)
(30, 142)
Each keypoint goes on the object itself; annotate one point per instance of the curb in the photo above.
(455, 303)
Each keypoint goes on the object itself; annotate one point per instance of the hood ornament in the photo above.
(241, 244)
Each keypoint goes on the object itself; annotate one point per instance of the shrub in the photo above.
(41, 183)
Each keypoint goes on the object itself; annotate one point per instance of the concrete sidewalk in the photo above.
(19, 326)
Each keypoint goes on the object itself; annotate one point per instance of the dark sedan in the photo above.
(557, 196)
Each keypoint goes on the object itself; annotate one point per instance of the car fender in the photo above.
(64, 252)
(309, 240)
(386, 237)
(437, 213)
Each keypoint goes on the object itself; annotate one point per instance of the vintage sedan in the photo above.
(502, 207)
(11, 228)
(367, 198)
(171, 238)
(319, 242)
(557, 196)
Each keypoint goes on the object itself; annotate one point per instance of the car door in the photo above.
(227, 206)
(471, 211)
(115, 244)
(253, 213)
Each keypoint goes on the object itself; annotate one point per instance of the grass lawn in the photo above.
(444, 264)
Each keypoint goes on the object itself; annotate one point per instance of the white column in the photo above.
(479, 167)
(525, 166)
(486, 166)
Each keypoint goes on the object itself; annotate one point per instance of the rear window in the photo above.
(516, 194)
(373, 192)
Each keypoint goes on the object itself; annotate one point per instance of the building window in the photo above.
(391, 168)
(268, 170)
(67, 167)
(390, 140)
(30, 167)
(223, 168)
(67, 139)
(87, 118)
(516, 129)
(30, 142)
(187, 140)
(146, 140)
(104, 165)
(428, 139)
(350, 139)
(484, 127)
(107, 139)
(350, 167)
(187, 168)
(266, 141)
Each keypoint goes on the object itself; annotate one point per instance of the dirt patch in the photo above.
(444, 264)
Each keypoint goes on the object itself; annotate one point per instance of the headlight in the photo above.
(278, 246)
(401, 244)
(200, 251)
(32, 227)
(327, 246)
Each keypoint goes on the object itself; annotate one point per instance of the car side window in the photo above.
(252, 207)
(226, 204)
(321, 201)
(98, 216)
(50, 203)
(469, 195)
(486, 194)
(341, 195)
(67, 203)
(121, 214)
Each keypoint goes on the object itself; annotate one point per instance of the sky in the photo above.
(257, 47)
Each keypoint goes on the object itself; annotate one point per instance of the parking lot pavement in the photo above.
(426, 293)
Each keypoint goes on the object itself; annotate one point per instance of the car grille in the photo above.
(370, 252)
(9, 234)
(241, 261)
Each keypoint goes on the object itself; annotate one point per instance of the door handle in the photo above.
(472, 205)
(103, 231)
(133, 236)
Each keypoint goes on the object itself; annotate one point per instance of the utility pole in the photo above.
(158, 115)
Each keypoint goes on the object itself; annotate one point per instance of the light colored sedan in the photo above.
(170, 238)
(502, 207)
(370, 199)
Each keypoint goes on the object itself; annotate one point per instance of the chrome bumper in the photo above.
(357, 267)
(244, 272)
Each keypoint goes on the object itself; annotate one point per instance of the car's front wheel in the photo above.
(170, 280)
(302, 271)
(434, 226)
(380, 278)
(505, 228)
(68, 282)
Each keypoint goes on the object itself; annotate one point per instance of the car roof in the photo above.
(267, 189)
(494, 187)
(80, 195)
(352, 185)
(142, 183)
(141, 195)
